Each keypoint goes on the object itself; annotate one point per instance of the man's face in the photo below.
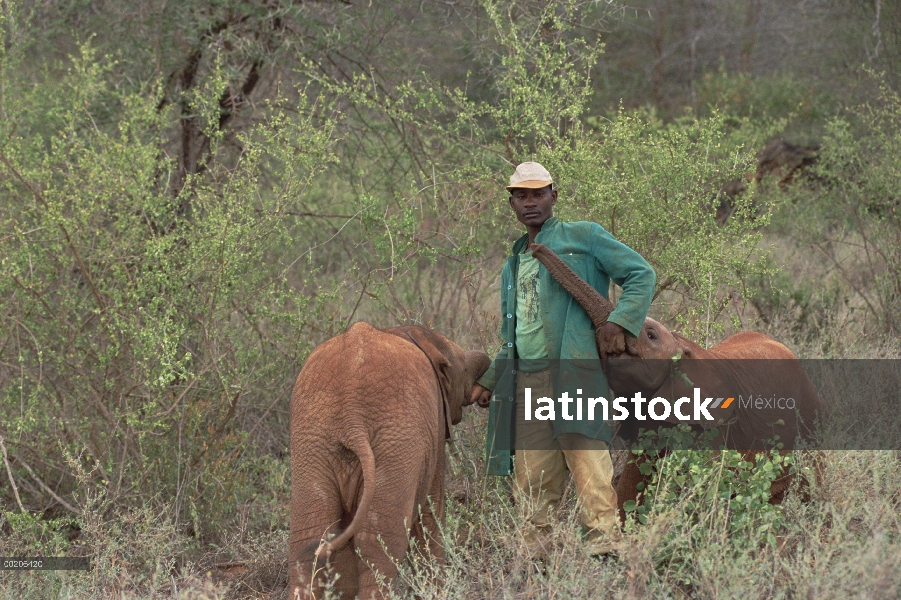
(533, 206)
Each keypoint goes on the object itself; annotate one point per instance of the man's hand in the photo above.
(613, 339)
(480, 395)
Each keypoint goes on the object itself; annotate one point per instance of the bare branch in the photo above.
(9, 472)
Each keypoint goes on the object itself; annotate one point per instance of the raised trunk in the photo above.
(597, 307)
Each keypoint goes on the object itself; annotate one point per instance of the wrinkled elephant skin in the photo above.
(670, 366)
(368, 426)
(659, 363)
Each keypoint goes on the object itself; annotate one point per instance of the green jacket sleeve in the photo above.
(489, 379)
(629, 270)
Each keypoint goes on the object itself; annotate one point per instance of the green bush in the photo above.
(154, 314)
(777, 96)
(704, 497)
(138, 323)
(847, 218)
(654, 185)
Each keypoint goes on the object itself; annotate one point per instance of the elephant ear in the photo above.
(686, 346)
(439, 361)
(440, 365)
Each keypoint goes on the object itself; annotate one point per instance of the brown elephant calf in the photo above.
(659, 363)
(743, 363)
(369, 416)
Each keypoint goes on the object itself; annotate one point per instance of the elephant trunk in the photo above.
(597, 307)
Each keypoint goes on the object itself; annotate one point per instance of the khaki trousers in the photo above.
(540, 473)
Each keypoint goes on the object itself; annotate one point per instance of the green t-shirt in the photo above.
(530, 341)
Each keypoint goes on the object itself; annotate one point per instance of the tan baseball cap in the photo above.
(530, 175)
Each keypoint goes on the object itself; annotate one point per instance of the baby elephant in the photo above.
(370, 412)
(662, 364)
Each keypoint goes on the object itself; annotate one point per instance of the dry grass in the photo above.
(845, 541)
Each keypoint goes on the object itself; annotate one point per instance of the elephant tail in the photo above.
(360, 446)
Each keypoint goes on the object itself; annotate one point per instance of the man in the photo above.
(541, 323)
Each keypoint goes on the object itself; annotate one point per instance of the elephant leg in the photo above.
(627, 485)
(425, 536)
(426, 532)
(383, 539)
(432, 516)
(380, 553)
(344, 563)
(307, 575)
(321, 508)
(781, 485)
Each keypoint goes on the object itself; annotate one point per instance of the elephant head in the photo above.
(653, 363)
(649, 359)
(457, 371)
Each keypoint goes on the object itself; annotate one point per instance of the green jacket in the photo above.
(597, 257)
